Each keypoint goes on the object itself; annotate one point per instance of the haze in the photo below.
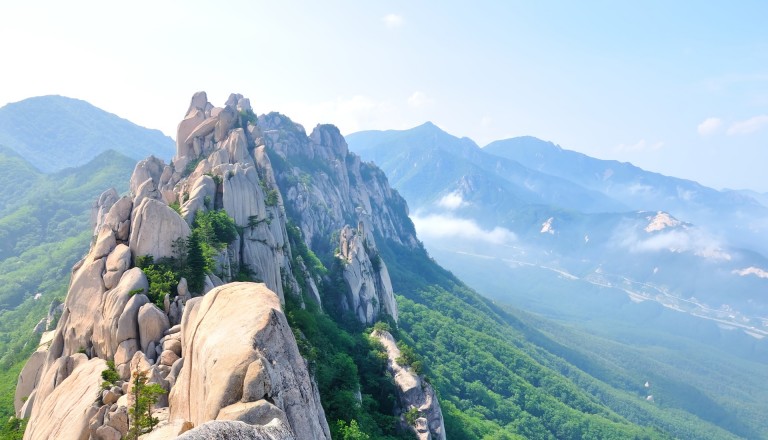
(679, 88)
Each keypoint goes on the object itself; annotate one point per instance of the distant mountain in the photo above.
(533, 206)
(56, 132)
(42, 213)
(736, 215)
(425, 163)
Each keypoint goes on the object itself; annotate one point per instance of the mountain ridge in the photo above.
(54, 132)
(272, 203)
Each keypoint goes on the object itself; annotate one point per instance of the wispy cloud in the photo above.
(641, 145)
(393, 20)
(752, 270)
(448, 226)
(748, 126)
(451, 201)
(710, 126)
(694, 241)
(419, 99)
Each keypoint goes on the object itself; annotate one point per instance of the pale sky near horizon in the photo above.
(679, 88)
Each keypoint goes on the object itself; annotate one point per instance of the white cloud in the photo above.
(452, 201)
(694, 241)
(641, 145)
(748, 126)
(393, 20)
(446, 226)
(752, 270)
(709, 126)
(419, 99)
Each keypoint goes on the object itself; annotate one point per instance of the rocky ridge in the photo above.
(224, 161)
(414, 392)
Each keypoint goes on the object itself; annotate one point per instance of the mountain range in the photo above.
(55, 132)
(273, 285)
(526, 202)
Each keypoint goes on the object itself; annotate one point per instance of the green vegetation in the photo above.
(13, 429)
(109, 376)
(193, 257)
(343, 358)
(493, 380)
(351, 431)
(144, 396)
(45, 228)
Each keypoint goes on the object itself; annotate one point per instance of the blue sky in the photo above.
(675, 87)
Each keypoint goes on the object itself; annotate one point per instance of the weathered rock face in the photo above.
(370, 289)
(154, 227)
(226, 430)
(413, 393)
(233, 358)
(28, 380)
(62, 414)
(241, 362)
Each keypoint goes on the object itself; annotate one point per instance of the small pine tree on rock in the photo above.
(143, 396)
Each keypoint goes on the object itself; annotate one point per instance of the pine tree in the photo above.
(196, 263)
(144, 396)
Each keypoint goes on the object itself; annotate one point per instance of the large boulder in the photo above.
(154, 228)
(83, 302)
(118, 261)
(152, 325)
(28, 378)
(105, 332)
(238, 348)
(64, 413)
(228, 430)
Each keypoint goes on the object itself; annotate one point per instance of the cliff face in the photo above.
(228, 355)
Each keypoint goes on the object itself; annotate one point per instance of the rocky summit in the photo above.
(217, 341)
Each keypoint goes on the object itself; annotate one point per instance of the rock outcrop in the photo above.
(242, 363)
(226, 430)
(370, 289)
(62, 414)
(414, 393)
(228, 359)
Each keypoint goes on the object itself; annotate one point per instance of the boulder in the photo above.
(105, 242)
(235, 430)
(201, 197)
(149, 168)
(106, 331)
(83, 302)
(62, 414)
(127, 324)
(28, 379)
(106, 432)
(154, 228)
(152, 324)
(168, 357)
(102, 207)
(118, 261)
(227, 118)
(216, 364)
(118, 214)
(259, 412)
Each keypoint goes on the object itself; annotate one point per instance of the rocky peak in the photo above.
(231, 348)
